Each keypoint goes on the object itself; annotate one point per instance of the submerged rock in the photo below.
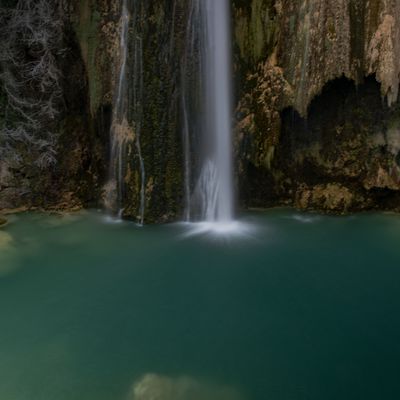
(3, 221)
(153, 386)
(6, 241)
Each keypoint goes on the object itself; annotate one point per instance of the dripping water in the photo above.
(190, 87)
(137, 114)
(126, 106)
(120, 133)
(187, 157)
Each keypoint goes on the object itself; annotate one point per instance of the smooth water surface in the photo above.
(299, 306)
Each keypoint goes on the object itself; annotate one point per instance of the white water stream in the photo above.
(216, 177)
(212, 199)
(122, 134)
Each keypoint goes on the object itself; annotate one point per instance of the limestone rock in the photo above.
(316, 105)
(320, 107)
(329, 198)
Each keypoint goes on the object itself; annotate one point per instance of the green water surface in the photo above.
(298, 307)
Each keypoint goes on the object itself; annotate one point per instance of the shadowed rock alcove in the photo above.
(342, 156)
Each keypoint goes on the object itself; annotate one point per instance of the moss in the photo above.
(156, 42)
(255, 29)
(88, 35)
(357, 11)
(3, 105)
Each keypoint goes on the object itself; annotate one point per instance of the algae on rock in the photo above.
(311, 127)
(316, 43)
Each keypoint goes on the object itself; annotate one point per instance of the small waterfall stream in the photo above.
(191, 85)
(123, 134)
(137, 114)
(211, 198)
(120, 133)
(206, 113)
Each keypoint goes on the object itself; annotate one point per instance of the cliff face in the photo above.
(318, 114)
(48, 150)
(155, 48)
(87, 61)
(317, 111)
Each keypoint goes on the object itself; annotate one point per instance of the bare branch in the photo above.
(31, 36)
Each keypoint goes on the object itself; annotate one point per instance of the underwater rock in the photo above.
(6, 240)
(153, 386)
(3, 221)
(8, 254)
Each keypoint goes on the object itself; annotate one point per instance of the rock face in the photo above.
(318, 116)
(155, 40)
(317, 110)
(88, 65)
(48, 149)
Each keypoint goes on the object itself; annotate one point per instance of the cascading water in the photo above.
(206, 98)
(217, 170)
(137, 111)
(212, 197)
(191, 89)
(121, 133)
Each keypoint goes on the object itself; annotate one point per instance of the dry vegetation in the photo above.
(31, 34)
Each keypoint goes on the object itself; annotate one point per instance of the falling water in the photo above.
(213, 193)
(137, 114)
(123, 135)
(218, 168)
(191, 86)
(120, 133)
(187, 157)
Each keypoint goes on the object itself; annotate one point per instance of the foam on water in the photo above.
(228, 229)
(306, 219)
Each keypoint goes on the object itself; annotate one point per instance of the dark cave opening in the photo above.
(349, 142)
(341, 114)
(343, 140)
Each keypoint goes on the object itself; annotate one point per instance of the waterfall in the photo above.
(137, 114)
(212, 197)
(191, 71)
(121, 134)
(218, 111)
(206, 113)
